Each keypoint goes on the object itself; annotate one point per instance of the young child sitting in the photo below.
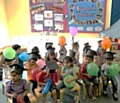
(106, 77)
(62, 52)
(68, 69)
(6, 69)
(77, 53)
(44, 76)
(17, 86)
(88, 78)
(30, 65)
(36, 50)
(51, 55)
(17, 48)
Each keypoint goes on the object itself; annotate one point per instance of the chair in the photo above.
(32, 98)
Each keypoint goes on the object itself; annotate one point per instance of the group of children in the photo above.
(16, 86)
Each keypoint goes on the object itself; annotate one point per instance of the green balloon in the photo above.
(92, 69)
(9, 53)
(71, 84)
(114, 70)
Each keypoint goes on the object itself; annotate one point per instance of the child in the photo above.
(51, 55)
(30, 65)
(99, 50)
(6, 70)
(88, 78)
(67, 70)
(44, 76)
(105, 75)
(17, 48)
(48, 45)
(85, 49)
(100, 60)
(17, 86)
(36, 51)
(62, 52)
(77, 53)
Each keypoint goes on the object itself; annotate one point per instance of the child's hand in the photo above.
(89, 76)
(14, 95)
(68, 80)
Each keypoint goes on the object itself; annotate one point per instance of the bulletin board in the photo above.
(60, 15)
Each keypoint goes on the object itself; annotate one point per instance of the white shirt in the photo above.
(6, 74)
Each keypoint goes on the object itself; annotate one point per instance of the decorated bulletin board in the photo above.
(60, 15)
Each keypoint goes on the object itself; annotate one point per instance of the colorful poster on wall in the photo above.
(48, 15)
(60, 15)
(87, 15)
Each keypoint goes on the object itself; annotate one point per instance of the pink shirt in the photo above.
(83, 70)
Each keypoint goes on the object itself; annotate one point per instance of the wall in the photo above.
(3, 25)
(19, 19)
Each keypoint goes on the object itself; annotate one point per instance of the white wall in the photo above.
(40, 41)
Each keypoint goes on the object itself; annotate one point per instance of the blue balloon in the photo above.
(24, 56)
(47, 87)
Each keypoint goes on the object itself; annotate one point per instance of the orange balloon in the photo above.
(106, 43)
(62, 40)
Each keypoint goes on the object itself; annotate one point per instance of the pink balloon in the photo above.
(73, 31)
(40, 63)
(20, 100)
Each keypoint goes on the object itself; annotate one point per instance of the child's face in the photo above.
(18, 51)
(67, 64)
(77, 47)
(109, 61)
(8, 62)
(51, 56)
(15, 77)
(32, 61)
(88, 60)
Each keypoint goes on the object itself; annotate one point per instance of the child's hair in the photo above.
(35, 50)
(68, 59)
(16, 47)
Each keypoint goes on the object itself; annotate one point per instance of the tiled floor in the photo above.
(100, 99)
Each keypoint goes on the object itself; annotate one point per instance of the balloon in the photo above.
(106, 43)
(34, 71)
(73, 31)
(62, 40)
(71, 84)
(114, 70)
(9, 53)
(24, 57)
(92, 69)
(40, 63)
(19, 99)
(47, 87)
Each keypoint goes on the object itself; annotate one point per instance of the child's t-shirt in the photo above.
(6, 74)
(44, 77)
(19, 88)
(104, 69)
(29, 77)
(70, 71)
(83, 70)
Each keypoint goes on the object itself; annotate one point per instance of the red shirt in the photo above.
(83, 70)
(44, 77)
